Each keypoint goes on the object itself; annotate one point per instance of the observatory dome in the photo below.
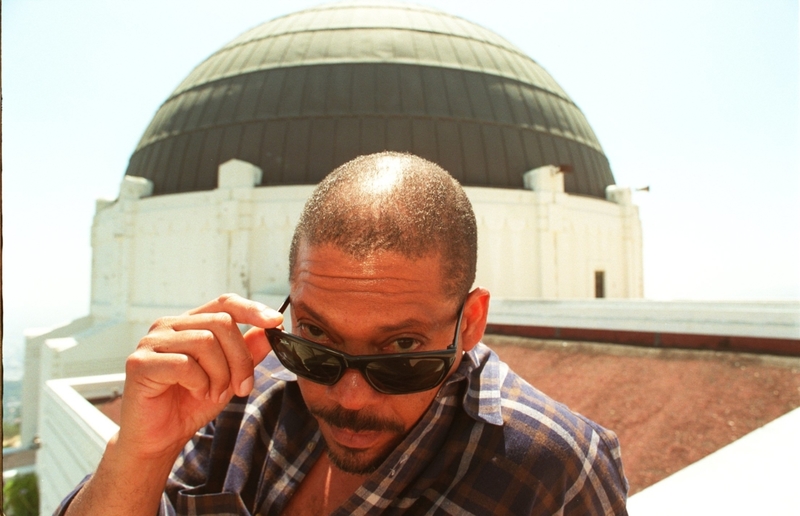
(303, 93)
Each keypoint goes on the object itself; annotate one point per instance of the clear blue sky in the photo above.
(696, 98)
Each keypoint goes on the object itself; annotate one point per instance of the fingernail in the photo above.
(223, 398)
(246, 386)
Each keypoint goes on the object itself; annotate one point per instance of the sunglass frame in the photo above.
(360, 362)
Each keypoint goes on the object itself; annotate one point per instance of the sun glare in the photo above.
(387, 175)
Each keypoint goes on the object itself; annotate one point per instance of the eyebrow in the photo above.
(402, 325)
(387, 328)
(304, 307)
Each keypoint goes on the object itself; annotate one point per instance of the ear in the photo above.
(473, 322)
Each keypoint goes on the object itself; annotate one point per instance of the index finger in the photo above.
(243, 311)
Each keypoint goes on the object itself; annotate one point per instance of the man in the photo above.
(381, 400)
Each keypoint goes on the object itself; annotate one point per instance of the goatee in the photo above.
(358, 461)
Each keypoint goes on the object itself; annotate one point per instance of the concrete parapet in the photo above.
(755, 475)
(544, 179)
(238, 174)
(761, 327)
(135, 188)
(73, 435)
(618, 194)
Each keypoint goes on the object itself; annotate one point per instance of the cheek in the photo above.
(313, 393)
(410, 408)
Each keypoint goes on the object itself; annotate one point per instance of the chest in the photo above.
(323, 490)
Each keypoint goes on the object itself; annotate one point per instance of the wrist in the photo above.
(125, 483)
(128, 456)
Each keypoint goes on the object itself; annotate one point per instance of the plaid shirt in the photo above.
(488, 444)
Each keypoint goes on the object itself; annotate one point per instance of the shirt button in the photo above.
(310, 446)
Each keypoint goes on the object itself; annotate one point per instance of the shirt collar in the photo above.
(282, 373)
(484, 374)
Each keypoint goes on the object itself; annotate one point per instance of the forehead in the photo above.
(326, 270)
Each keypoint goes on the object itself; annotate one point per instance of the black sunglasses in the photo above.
(395, 373)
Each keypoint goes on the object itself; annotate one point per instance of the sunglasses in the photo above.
(395, 373)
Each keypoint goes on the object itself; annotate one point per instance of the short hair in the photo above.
(397, 202)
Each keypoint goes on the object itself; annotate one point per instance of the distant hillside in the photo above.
(13, 356)
(12, 399)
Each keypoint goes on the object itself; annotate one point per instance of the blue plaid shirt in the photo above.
(489, 443)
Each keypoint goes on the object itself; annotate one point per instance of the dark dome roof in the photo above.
(304, 93)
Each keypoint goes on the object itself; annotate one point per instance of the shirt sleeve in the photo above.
(603, 489)
(576, 468)
(64, 505)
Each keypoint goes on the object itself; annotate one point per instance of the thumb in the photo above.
(257, 343)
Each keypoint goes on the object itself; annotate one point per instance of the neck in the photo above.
(324, 489)
(338, 485)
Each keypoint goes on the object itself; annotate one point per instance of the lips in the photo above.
(354, 440)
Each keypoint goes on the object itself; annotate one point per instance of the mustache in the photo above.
(356, 420)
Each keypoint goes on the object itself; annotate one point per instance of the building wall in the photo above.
(548, 244)
(158, 255)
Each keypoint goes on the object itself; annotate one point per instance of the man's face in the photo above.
(386, 303)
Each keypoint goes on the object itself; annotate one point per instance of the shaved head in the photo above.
(393, 202)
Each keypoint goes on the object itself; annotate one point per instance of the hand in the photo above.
(186, 369)
(182, 374)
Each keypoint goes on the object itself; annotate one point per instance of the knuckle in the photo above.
(147, 342)
(184, 365)
(223, 319)
(204, 339)
(135, 361)
(165, 323)
(225, 299)
(159, 323)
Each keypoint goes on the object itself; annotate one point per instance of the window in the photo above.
(599, 284)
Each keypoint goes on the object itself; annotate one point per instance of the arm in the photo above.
(182, 374)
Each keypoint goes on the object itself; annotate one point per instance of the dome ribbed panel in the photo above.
(306, 92)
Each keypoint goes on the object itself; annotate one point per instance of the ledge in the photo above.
(768, 327)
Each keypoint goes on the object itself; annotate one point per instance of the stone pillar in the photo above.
(237, 179)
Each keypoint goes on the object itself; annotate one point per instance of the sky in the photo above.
(697, 99)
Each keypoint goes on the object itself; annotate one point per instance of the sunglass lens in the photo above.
(401, 375)
(308, 362)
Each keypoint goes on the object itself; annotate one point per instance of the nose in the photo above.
(352, 391)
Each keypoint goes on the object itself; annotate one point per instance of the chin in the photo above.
(355, 462)
(360, 462)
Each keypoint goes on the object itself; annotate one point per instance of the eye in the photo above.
(311, 332)
(402, 345)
